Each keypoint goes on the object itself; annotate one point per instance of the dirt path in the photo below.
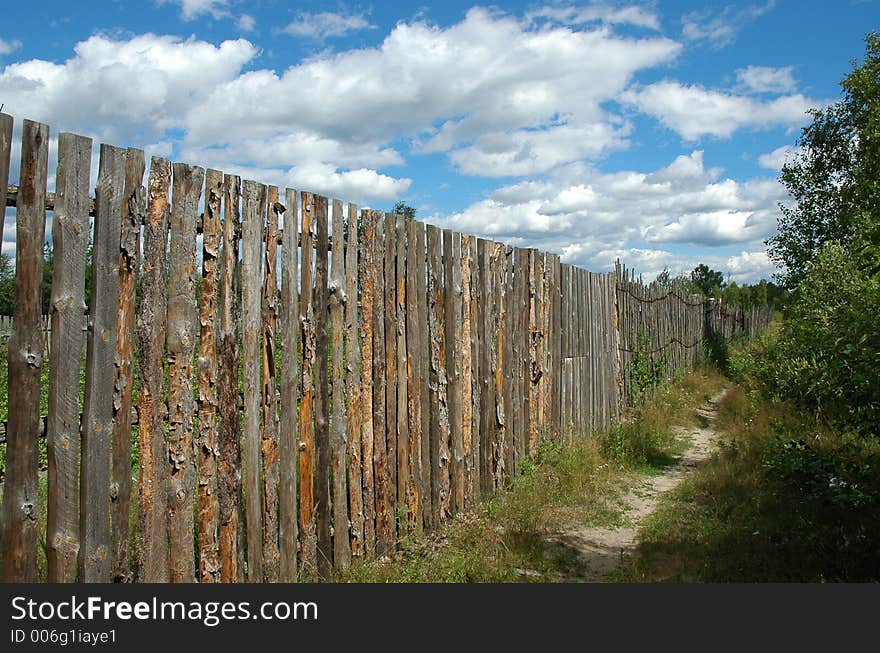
(601, 550)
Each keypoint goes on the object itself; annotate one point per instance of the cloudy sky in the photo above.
(652, 132)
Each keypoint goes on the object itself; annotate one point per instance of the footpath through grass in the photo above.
(504, 538)
(785, 499)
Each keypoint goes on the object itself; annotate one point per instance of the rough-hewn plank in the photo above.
(230, 533)
(401, 428)
(390, 318)
(289, 386)
(253, 212)
(467, 398)
(439, 426)
(414, 250)
(25, 350)
(181, 341)
(338, 421)
(97, 421)
(453, 347)
(133, 211)
(70, 238)
(209, 409)
(322, 397)
(6, 124)
(487, 384)
(353, 387)
(500, 428)
(424, 365)
(268, 396)
(384, 541)
(519, 341)
(307, 532)
(367, 272)
(152, 443)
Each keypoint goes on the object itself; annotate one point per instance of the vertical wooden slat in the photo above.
(520, 338)
(288, 385)
(508, 364)
(390, 319)
(6, 123)
(452, 328)
(228, 437)
(322, 398)
(133, 210)
(307, 532)
(414, 250)
(402, 407)
(181, 341)
(467, 395)
(338, 424)
(439, 425)
(97, 421)
(384, 541)
(253, 212)
(499, 425)
(207, 439)
(353, 387)
(487, 385)
(424, 366)
(70, 238)
(152, 442)
(25, 350)
(269, 400)
(367, 273)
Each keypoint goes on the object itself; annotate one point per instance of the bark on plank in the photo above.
(415, 250)
(339, 423)
(390, 318)
(467, 396)
(207, 442)
(308, 534)
(181, 340)
(402, 426)
(25, 351)
(70, 237)
(230, 533)
(452, 339)
(133, 210)
(289, 425)
(439, 427)
(322, 398)
(424, 360)
(353, 387)
(384, 540)
(97, 423)
(500, 427)
(152, 444)
(487, 386)
(367, 272)
(6, 123)
(269, 400)
(519, 340)
(253, 213)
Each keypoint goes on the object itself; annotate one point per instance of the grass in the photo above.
(784, 500)
(505, 537)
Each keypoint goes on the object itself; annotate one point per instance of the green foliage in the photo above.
(826, 356)
(7, 285)
(833, 180)
(647, 370)
(404, 209)
(707, 281)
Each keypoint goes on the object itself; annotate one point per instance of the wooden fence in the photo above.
(389, 372)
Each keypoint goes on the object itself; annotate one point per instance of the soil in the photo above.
(595, 552)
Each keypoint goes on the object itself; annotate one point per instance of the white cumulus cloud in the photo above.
(763, 79)
(326, 24)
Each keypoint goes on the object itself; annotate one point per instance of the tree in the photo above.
(834, 180)
(7, 285)
(708, 281)
(404, 209)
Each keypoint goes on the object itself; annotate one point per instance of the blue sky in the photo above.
(653, 131)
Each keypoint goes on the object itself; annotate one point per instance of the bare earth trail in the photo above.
(601, 550)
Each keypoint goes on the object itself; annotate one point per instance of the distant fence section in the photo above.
(305, 383)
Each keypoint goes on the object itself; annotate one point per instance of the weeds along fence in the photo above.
(309, 383)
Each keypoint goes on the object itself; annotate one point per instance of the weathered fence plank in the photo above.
(97, 421)
(424, 374)
(439, 425)
(70, 237)
(413, 306)
(453, 350)
(181, 336)
(133, 210)
(401, 428)
(339, 422)
(152, 443)
(467, 375)
(487, 384)
(230, 534)
(353, 387)
(269, 399)
(288, 385)
(25, 351)
(322, 398)
(254, 208)
(390, 319)
(367, 272)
